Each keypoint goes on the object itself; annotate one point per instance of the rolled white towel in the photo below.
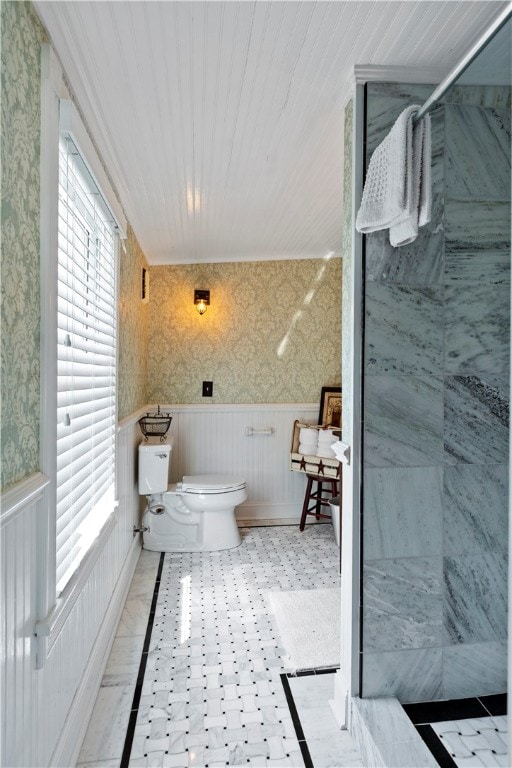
(308, 435)
(325, 446)
(325, 454)
(326, 437)
(308, 448)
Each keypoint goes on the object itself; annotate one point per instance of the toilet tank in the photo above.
(154, 463)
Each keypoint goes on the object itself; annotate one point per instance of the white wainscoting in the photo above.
(212, 439)
(19, 681)
(45, 711)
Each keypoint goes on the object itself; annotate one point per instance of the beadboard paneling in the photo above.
(213, 440)
(20, 684)
(224, 131)
(45, 712)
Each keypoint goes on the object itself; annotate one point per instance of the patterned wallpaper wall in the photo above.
(21, 35)
(272, 332)
(133, 329)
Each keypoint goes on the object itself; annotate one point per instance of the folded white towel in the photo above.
(307, 435)
(397, 192)
(326, 437)
(326, 446)
(308, 448)
(325, 453)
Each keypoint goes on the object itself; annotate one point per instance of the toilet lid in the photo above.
(211, 483)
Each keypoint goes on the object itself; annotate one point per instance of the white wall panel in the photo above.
(44, 712)
(19, 685)
(212, 439)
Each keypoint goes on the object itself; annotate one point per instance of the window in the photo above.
(86, 361)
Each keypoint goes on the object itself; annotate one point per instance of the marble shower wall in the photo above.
(436, 377)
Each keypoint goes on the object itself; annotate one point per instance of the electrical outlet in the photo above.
(207, 388)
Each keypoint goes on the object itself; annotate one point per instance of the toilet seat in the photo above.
(210, 484)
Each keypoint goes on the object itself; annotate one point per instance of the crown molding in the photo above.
(364, 73)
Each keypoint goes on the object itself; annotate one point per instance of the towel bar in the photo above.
(250, 431)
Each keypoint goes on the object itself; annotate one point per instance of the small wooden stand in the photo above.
(318, 498)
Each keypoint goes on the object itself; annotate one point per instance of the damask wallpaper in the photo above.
(270, 335)
(21, 36)
(133, 329)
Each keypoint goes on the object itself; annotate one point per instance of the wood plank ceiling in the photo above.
(221, 122)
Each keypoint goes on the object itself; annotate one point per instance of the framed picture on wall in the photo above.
(330, 407)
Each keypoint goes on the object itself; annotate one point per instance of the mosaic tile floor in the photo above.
(208, 690)
(475, 742)
(464, 733)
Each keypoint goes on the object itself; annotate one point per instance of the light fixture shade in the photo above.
(201, 300)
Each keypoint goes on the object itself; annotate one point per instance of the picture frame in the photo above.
(330, 407)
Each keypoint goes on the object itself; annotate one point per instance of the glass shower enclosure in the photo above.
(435, 404)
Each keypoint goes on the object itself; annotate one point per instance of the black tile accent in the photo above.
(293, 709)
(130, 732)
(308, 763)
(457, 709)
(437, 711)
(435, 745)
(496, 704)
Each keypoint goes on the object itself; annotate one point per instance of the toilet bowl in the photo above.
(195, 515)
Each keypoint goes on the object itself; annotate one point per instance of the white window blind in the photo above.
(86, 362)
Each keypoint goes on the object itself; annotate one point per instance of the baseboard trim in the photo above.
(73, 733)
(252, 511)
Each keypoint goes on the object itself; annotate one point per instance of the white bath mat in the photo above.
(309, 626)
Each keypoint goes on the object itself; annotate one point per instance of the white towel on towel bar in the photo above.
(397, 193)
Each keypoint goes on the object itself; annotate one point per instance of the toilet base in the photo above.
(154, 544)
(181, 530)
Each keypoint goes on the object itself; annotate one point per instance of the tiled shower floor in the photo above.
(464, 733)
(205, 686)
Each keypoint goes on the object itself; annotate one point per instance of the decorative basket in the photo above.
(312, 465)
(155, 424)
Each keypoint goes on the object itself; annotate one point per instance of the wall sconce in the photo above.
(201, 300)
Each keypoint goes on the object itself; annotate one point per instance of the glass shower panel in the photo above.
(436, 404)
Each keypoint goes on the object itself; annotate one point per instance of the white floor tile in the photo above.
(310, 691)
(212, 693)
(134, 618)
(106, 732)
(124, 661)
(339, 751)
(475, 742)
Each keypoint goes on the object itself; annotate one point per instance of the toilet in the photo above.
(195, 515)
